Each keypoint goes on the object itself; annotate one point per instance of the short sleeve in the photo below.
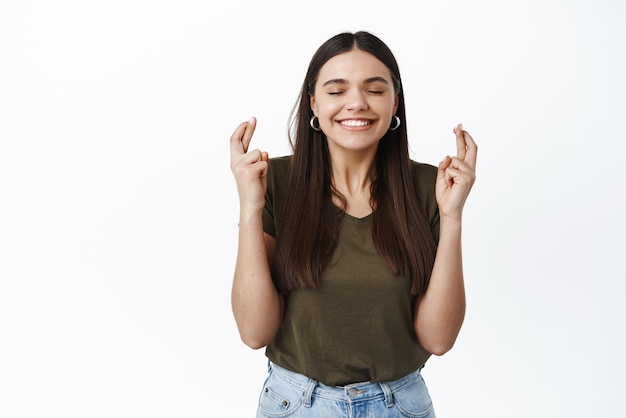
(268, 213)
(277, 179)
(425, 177)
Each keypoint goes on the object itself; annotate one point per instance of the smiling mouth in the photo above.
(356, 123)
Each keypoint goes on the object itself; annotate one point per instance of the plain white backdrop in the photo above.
(118, 211)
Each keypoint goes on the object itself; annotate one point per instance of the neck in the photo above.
(351, 175)
(352, 179)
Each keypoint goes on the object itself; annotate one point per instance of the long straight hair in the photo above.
(309, 231)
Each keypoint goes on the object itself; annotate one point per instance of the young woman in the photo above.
(349, 267)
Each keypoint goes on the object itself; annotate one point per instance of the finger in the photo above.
(249, 162)
(236, 147)
(240, 139)
(247, 135)
(445, 163)
(460, 165)
(450, 176)
(252, 156)
(455, 174)
(463, 170)
(442, 170)
(460, 141)
(472, 150)
(460, 173)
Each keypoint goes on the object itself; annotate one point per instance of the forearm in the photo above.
(441, 310)
(255, 300)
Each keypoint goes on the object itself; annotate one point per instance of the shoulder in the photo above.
(423, 173)
(280, 164)
(276, 192)
(278, 169)
(425, 179)
(278, 175)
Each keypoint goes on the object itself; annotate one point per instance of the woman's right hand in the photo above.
(249, 168)
(256, 304)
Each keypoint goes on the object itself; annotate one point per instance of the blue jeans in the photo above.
(289, 394)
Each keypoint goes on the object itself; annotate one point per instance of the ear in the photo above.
(312, 103)
(395, 103)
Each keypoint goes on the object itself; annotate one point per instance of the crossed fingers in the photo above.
(240, 140)
(466, 148)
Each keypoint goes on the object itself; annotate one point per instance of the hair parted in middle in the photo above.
(308, 235)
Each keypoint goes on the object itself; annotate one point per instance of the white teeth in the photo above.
(355, 122)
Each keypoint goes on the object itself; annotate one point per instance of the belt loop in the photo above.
(388, 395)
(308, 393)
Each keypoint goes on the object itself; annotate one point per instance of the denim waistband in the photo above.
(349, 393)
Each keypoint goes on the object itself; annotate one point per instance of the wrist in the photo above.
(452, 218)
(250, 216)
(450, 224)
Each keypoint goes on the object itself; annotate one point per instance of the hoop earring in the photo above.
(395, 126)
(312, 123)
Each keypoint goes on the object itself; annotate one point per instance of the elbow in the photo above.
(437, 343)
(438, 338)
(253, 344)
(257, 335)
(255, 340)
(438, 348)
(257, 330)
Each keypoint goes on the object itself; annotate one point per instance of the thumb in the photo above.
(443, 177)
(441, 170)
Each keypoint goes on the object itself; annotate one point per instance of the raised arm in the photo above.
(256, 304)
(441, 310)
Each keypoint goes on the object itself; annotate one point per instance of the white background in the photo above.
(118, 210)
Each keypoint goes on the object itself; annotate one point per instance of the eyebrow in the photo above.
(367, 81)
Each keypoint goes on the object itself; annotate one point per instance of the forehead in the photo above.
(354, 66)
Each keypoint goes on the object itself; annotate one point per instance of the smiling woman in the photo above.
(349, 264)
(354, 100)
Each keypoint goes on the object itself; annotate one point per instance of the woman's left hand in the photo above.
(456, 175)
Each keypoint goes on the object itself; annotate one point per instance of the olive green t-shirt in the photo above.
(357, 325)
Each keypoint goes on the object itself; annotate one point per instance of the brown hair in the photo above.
(308, 235)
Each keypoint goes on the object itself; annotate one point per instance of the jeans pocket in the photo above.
(278, 398)
(413, 400)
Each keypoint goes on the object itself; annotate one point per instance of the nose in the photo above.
(356, 100)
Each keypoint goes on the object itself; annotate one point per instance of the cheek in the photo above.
(327, 109)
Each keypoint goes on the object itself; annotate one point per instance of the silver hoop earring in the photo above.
(396, 125)
(312, 123)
